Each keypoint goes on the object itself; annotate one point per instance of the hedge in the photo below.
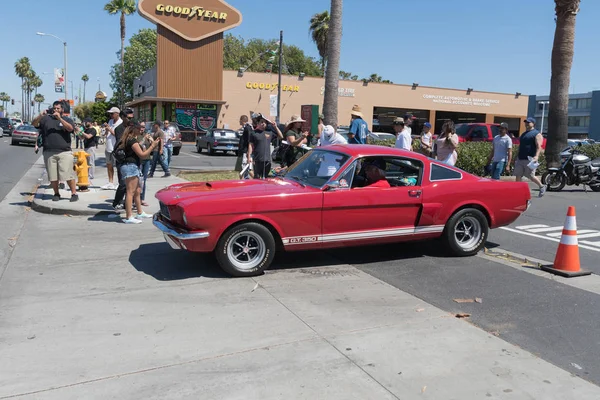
(472, 156)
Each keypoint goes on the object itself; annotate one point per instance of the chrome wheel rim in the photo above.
(246, 250)
(467, 232)
(554, 180)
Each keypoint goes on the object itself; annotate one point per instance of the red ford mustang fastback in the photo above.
(337, 196)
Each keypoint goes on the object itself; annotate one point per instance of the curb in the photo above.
(37, 206)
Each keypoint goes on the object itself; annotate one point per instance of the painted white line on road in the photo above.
(525, 227)
(589, 235)
(547, 229)
(591, 243)
(551, 239)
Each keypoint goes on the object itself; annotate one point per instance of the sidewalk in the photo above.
(95, 201)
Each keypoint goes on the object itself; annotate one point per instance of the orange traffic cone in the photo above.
(566, 262)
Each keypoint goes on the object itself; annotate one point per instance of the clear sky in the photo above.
(489, 45)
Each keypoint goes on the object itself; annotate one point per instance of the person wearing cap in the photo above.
(501, 153)
(403, 139)
(111, 141)
(259, 148)
(358, 127)
(426, 145)
(329, 136)
(295, 138)
(530, 147)
(408, 121)
(89, 145)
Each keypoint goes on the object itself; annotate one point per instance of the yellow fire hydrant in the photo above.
(81, 167)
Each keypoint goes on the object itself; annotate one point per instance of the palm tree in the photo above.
(375, 78)
(35, 82)
(39, 98)
(562, 59)
(4, 98)
(125, 7)
(334, 44)
(22, 67)
(84, 78)
(319, 28)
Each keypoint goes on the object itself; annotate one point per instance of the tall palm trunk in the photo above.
(332, 75)
(562, 59)
(22, 98)
(122, 60)
(84, 82)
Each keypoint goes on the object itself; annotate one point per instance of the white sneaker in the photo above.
(143, 215)
(131, 220)
(108, 186)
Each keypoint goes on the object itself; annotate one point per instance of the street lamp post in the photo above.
(65, 58)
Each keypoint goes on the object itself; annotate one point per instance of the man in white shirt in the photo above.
(330, 136)
(408, 120)
(111, 142)
(403, 139)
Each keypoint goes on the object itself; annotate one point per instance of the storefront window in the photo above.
(383, 118)
(457, 118)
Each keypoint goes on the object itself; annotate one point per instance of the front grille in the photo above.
(164, 211)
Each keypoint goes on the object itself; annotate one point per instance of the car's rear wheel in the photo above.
(246, 250)
(14, 142)
(198, 148)
(176, 151)
(210, 150)
(466, 232)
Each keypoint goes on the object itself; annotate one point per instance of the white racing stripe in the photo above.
(583, 246)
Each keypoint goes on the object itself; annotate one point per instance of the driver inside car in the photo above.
(374, 174)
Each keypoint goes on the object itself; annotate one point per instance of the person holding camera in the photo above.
(295, 138)
(129, 169)
(55, 131)
(259, 149)
(446, 144)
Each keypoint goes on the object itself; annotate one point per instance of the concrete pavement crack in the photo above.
(327, 340)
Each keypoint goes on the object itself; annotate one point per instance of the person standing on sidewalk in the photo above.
(403, 139)
(426, 140)
(242, 158)
(501, 154)
(159, 156)
(358, 127)
(55, 130)
(127, 117)
(446, 144)
(89, 145)
(145, 140)
(259, 150)
(111, 141)
(170, 134)
(530, 145)
(130, 171)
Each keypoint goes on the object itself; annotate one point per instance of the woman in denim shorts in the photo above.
(130, 171)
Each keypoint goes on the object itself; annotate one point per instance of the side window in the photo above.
(495, 130)
(479, 132)
(403, 172)
(439, 173)
(347, 177)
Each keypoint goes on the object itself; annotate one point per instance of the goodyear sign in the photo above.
(271, 86)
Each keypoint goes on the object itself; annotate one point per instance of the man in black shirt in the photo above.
(55, 130)
(259, 149)
(89, 145)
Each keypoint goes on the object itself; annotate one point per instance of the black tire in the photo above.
(176, 151)
(198, 148)
(460, 244)
(210, 150)
(256, 235)
(555, 181)
(13, 142)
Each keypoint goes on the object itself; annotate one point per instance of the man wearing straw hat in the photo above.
(358, 128)
(295, 138)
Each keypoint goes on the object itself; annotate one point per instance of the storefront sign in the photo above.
(342, 92)
(193, 116)
(192, 20)
(461, 101)
(271, 86)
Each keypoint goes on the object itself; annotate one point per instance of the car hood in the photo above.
(228, 190)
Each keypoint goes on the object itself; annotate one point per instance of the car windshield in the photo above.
(225, 134)
(316, 167)
(27, 128)
(462, 129)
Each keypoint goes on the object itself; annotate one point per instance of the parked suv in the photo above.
(7, 126)
(480, 132)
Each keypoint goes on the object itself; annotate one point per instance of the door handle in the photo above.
(414, 193)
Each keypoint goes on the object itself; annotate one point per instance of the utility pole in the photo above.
(279, 79)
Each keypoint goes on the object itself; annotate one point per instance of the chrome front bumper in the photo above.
(171, 233)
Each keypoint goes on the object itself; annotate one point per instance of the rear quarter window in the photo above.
(440, 173)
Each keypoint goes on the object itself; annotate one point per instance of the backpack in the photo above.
(119, 155)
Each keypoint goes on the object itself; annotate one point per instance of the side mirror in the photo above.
(333, 185)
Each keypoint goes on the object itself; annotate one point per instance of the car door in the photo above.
(353, 215)
(205, 139)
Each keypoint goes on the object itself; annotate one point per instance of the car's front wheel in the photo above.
(246, 250)
(466, 232)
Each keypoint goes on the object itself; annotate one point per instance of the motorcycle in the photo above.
(576, 169)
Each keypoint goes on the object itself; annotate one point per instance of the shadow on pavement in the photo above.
(165, 264)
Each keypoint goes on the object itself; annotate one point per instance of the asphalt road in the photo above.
(189, 159)
(15, 161)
